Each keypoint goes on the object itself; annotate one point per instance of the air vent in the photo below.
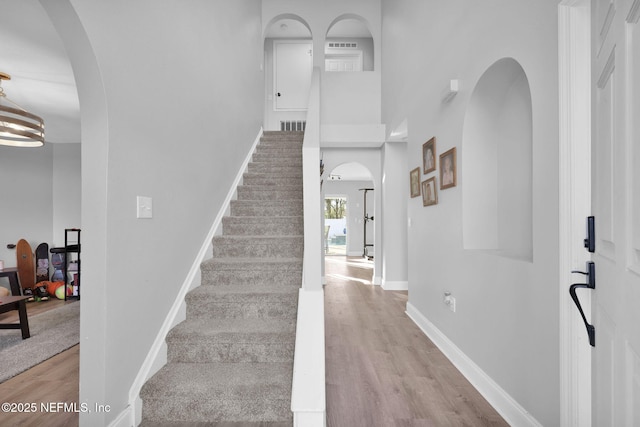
(343, 45)
(291, 125)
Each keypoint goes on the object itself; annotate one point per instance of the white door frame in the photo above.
(574, 24)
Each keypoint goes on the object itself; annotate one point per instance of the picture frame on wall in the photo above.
(448, 169)
(414, 180)
(429, 192)
(429, 156)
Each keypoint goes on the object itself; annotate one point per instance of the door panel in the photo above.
(616, 206)
(293, 65)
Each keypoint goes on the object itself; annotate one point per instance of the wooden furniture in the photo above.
(16, 303)
(12, 274)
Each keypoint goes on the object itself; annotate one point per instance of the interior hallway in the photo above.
(381, 370)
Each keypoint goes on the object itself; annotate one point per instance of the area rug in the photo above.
(51, 333)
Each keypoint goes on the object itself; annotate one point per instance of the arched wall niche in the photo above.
(497, 163)
(349, 44)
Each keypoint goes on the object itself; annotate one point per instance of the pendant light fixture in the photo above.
(18, 128)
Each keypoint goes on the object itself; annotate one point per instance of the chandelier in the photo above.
(18, 128)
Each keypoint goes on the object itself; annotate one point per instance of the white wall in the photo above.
(66, 190)
(170, 98)
(507, 311)
(27, 208)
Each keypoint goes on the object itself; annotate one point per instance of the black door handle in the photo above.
(591, 284)
(278, 94)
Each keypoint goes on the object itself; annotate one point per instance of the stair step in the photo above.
(269, 192)
(277, 134)
(235, 340)
(247, 271)
(275, 159)
(269, 168)
(286, 149)
(271, 179)
(203, 392)
(248, 301)
(258, 246)
(261, 226)
(267, 208)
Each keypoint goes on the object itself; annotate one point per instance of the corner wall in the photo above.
(506, 319)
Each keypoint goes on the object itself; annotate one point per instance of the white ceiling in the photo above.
(42, 80)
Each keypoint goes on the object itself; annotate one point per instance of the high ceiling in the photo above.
(42, 80)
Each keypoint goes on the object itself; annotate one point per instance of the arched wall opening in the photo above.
(347, 179)
(349, 45)
(497, 163)
(288, 63)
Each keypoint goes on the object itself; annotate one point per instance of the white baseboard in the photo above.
(157, 356)
(124, 419)
(507, 407)
(377, 280)
(390, 285)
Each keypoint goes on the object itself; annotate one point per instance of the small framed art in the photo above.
(429, 156)
(429, 192)
(448, 169)
(414, 178)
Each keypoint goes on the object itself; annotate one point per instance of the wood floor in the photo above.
(55, 380)
(381, 369)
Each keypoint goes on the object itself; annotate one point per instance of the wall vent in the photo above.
(293, 125)
(342, 45)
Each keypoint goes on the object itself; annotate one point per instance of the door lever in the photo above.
(591, 284)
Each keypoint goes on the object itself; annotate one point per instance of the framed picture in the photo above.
(429, 192)
(448, 169)
(429, 156)
(414, 178)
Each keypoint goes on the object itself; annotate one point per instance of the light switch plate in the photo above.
(145, 207)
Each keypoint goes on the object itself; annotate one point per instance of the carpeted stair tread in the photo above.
(231, 292)
(247, 330)
(210, 392)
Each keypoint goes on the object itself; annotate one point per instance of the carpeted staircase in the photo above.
(230, 362)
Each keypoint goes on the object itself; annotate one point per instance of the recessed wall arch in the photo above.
(349, 44)
(497, 171)
(287, 25)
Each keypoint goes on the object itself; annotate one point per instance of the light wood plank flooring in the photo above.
(54, 380)
(381, 369)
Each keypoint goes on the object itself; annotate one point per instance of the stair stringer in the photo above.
(157, 355)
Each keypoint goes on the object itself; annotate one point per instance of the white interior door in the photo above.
(293, 65)
(616, 207)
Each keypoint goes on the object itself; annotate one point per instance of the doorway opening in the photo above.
(335, 225)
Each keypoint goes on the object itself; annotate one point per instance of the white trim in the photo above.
(511, 411)
(308, 402)
(123, 419)
(156, 358)
(397, 285)
(574, 154)
(377, 280)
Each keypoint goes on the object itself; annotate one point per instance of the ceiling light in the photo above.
(18, 128)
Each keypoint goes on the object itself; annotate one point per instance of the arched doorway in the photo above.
(349, 45)
(288, 63)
